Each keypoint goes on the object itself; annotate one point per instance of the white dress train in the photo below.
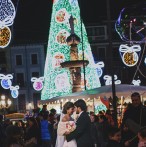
(61, 141)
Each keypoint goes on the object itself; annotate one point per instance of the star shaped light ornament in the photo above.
(7, 15)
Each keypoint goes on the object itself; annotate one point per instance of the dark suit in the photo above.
(82, 132)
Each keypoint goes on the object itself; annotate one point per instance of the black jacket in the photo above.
(112, 143)
(82, 133)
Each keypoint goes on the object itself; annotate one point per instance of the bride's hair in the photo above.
(67, 106)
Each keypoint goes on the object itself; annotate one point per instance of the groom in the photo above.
(82, 132)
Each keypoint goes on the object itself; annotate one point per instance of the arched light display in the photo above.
(14, 91)
(129, 54)
(7, 15)
(6, 80)
(108, 80)
(136, 82)
(38, 83)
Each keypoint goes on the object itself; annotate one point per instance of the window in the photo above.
(18, 59)
(21, 102)
(34, 59)
(20, 79)
(35, 74)
(36, 98)
(101, 53)
(2, 57)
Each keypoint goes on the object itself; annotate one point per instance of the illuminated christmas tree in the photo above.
(58, 80)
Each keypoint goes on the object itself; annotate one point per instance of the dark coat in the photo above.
(112, 143)
(138, 115)
(82, 133)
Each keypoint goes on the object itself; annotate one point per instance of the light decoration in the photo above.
(99, 108)
(129, 54)
(57, 59)
(99, 67)
(62, 82)
(7, 15)
(38, 83)
(58, 51)
(5, 36)
(14, 91)
(136, 82)
(6, 80)
(108, 80)
(62, 16)
(130, 24)
(145, 60)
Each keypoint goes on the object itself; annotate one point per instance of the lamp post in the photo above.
(4, 103)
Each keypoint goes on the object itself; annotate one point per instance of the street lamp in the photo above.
(4, 104)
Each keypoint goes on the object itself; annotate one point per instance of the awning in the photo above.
(103, 91)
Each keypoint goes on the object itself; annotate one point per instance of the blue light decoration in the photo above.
(6, 80)
(99, 67)
(38, 83)
(99, 108)
(14, 91)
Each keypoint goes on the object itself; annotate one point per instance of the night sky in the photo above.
(32, 19)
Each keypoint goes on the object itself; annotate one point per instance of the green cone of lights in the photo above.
(57, 80)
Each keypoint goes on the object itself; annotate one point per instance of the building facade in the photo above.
(26, 61)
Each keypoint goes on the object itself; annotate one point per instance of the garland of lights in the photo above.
(7, 15)
(129, 54)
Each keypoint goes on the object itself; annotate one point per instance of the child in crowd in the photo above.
(114, 137)
(142, 137)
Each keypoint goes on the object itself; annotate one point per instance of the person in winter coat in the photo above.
(45, 132)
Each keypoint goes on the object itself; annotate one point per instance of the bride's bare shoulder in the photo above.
(64, 119)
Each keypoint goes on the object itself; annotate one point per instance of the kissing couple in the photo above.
(71, 133)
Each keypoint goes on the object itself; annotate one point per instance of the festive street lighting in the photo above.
(4, 104)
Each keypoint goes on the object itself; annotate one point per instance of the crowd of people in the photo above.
(85, 129)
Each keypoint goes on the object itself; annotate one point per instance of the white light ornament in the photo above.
(136, 82)
(38, 83)
(6, 80)
(14, 91)
(145, 60)
(108, 80)
(129, 54)
(99, 67)
(7, 15)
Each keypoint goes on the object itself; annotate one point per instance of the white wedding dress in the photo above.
(61, 141)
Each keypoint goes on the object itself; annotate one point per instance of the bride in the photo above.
(66, 126)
